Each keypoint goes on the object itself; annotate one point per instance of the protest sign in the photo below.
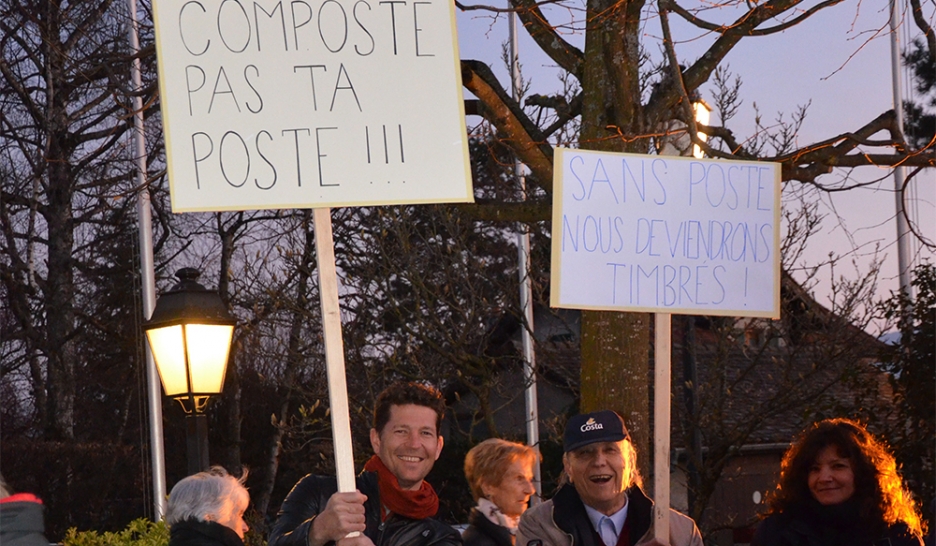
(311, 103)
(665, 234)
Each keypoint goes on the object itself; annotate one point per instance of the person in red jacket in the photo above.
(21, 519)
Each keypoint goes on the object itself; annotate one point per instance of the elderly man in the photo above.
(392, 505)
(602, 503)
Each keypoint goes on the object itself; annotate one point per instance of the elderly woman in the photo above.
(207, 509)
(500, 474)
(839, 487)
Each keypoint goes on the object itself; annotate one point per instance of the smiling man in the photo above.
(602, 504)
(393, 505)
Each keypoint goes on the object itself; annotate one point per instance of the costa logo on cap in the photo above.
(590, 428)
(591, 425)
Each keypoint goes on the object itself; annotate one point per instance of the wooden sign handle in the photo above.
(334, 349)
(662, 349)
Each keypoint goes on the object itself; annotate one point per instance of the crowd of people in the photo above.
(838, 486)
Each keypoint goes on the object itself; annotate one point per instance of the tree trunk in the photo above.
(230, 455)
(264, 492)
(230, 447)
(615, 346)
(60, 316)
(60, 285)
(293, 361)
(616, 372)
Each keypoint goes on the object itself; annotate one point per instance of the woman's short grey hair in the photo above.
(206, 496)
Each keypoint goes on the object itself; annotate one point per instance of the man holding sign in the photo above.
(603, 504)
(393, 505)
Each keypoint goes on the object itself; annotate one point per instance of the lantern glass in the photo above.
(208, 348)
(169, 354)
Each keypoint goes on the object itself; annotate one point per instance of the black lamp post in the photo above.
(190, 335)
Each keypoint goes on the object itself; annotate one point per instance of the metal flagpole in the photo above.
(526, 284)
(903, 228)
(147, 271)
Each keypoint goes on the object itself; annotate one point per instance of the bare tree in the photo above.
(625, 103)
(63, 129)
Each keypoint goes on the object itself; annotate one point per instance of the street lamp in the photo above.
(703, 112)
(190, 335)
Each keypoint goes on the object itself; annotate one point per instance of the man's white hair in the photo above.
(206, 496)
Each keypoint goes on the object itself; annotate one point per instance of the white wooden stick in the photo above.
(662, 349)
(334, 349)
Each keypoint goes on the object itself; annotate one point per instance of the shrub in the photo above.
(140, 532)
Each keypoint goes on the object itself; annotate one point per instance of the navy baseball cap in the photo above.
(588, 428)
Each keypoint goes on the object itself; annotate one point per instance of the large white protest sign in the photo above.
(665, 234)
(311, 103)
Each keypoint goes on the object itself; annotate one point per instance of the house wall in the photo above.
(739, 496)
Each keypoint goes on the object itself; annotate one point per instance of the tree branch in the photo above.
(506, 115)
(923, 25)
(807, 164)
(671, 5)
(676, 75)
(565, 112)
(544, 34)
(664, 98)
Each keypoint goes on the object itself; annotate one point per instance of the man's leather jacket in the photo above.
(309, 497)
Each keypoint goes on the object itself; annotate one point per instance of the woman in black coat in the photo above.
(207, 509)
(500, 474)
(839, 487)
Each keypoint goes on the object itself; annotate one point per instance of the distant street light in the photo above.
(190, 335)
(703, 113)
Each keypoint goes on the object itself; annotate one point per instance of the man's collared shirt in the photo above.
(608, 527)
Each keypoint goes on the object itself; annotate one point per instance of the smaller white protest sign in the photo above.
(665, 234)
(311, 103)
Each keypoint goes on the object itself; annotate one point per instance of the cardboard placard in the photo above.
(311, 103)
(665, 234)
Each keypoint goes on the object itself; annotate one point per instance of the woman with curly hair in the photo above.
(839, 487)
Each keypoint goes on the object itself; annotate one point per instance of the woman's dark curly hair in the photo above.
(879, 490)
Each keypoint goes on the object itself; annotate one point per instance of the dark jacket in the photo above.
(309, 497)
(483, 532)
(839, 525)
(192, 532)
(21, 522)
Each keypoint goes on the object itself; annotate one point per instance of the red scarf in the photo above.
(420, 504)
